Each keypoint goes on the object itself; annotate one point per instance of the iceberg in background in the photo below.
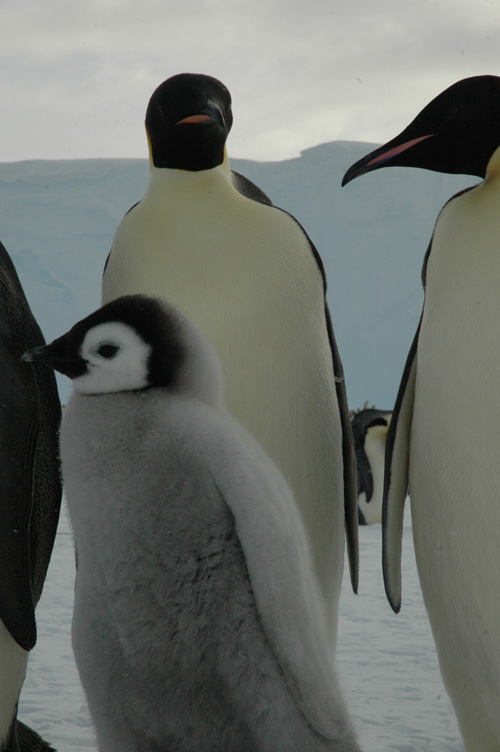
(58, 219)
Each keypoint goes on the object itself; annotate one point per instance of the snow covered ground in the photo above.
(387, 663)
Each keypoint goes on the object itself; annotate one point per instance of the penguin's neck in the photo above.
(163, 180)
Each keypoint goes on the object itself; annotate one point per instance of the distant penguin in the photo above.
(30, 497)
(197, 621)
(443, 439)
(211, 243)
(369, 429)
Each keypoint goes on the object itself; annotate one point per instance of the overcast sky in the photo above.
(76, 75)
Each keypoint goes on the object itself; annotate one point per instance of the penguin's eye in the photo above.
(106, 350)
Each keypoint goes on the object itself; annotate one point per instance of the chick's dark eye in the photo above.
(107, 351)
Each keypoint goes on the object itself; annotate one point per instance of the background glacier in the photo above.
(57, 220)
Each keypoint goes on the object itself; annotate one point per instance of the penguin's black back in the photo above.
(30, 482)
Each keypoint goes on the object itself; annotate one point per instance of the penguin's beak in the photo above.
(46, 354)
(195, 119)
(56, 356)
(211, 113)
(380, 156)
(36, 354)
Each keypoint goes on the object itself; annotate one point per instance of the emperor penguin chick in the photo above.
(197, 621)
(211, 243)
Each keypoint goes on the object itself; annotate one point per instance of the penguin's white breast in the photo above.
(458, 361)
(245, 273)
(454, 477)
(232, 261)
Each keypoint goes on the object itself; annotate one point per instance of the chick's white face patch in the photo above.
(117, 360)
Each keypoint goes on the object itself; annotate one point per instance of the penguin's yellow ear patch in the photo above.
(150, 149)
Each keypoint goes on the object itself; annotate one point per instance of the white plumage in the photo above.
(453, 470)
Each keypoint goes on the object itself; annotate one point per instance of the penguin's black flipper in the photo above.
(30, 482)
(349, 457)
(363, 470)
(396, 479)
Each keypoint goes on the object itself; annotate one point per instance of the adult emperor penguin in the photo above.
(211, 243)
(197, 621)
(369, 430)
(30, 497)
(443, 438)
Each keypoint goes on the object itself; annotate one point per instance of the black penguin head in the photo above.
(457, 132)
(131, 343)
(188, 120)
(368, 417)
(135, 343)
